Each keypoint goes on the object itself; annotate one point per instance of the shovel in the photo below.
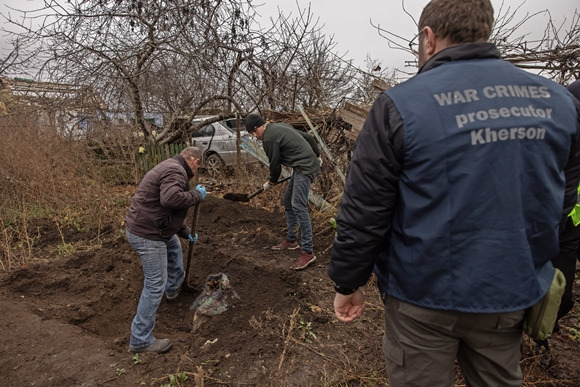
(246, 198)
(190, 251)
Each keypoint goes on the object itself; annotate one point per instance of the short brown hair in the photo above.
(191, 152)
(459, 21)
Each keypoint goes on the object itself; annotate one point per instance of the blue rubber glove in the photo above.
(201, 189)
(193, 239)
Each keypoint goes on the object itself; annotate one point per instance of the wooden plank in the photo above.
(354, 115)
(323, 146)
(357, 109)
(355, 120)
(154, 155)
(380, 85)
(351, 135)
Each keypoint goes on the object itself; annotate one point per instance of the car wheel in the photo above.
(214, 165)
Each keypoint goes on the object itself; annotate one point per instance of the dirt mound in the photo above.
(65, 320)
(75, 312)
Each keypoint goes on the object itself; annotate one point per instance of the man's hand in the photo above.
(201, 189)
(320, 161)
(193, 239)
(348, 308)
(266, 186)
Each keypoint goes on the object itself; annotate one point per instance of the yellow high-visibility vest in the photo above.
(575, 213)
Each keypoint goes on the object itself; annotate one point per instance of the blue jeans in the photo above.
(296, 207)
(163, 273)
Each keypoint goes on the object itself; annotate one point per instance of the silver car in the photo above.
(218, 143)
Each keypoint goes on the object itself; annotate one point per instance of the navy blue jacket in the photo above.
(456, 189)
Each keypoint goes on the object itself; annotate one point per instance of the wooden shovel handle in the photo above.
(190, 251)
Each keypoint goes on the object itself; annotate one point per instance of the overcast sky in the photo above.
(349, 21)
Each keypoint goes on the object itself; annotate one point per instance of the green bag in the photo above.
(540, 318)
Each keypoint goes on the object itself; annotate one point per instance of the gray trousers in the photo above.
(421, 346)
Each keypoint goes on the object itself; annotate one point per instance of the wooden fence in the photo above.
(150, 156)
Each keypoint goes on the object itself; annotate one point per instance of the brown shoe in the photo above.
(303, 261)
(286, 245)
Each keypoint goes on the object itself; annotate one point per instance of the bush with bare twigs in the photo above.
(44, 175)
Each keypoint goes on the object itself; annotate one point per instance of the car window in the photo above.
(231, 124)
(197, 133)
(204, 131)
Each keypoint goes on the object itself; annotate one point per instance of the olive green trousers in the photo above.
(421, 346)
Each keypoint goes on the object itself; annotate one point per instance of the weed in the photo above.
(176, 380)
(333, 224)
(8, 257)
(573, 333)
(71, 219)
(136, 359)
(65, 187)
(121, 202)
(118, 371)
(16, 241)
(305, 328)
(210, 362)
(63, 249)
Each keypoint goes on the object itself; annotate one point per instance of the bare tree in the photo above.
(11, 58)
(180, 57)
(555, 54)
(289, 64)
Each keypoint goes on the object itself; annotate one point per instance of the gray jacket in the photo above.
(160, 204)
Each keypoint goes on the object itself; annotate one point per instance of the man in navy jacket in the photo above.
(459, 181)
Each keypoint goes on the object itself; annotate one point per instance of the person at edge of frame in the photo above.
(566, 262)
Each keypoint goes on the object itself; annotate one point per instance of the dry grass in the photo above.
(45, 175)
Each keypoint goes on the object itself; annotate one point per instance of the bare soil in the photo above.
(65, 317)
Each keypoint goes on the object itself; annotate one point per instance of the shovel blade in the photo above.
(235, 197)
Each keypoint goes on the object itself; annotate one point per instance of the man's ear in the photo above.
(430, 42)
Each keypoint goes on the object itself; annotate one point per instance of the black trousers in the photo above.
(566, 262)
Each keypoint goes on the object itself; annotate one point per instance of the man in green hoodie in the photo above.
(284, 145)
